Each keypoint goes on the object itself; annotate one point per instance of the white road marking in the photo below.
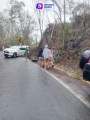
(80, 97)
(77, 95)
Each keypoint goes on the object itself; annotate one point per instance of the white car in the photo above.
(14, 51)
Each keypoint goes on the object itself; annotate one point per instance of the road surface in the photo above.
(28, 93)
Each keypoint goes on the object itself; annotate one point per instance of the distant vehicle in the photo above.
(14, 51)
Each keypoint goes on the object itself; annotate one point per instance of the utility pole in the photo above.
(52, 35)
(64, 23)
(36, 42)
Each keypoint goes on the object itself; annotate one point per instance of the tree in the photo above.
(22, 19)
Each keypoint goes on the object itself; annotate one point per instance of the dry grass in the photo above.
(70, 68)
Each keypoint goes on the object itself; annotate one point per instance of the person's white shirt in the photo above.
(46, 52)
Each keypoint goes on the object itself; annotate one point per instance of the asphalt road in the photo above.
(29, 93)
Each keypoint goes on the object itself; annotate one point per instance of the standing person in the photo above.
(40, 57)
(46, 56)
(51, 59)
(26, 53)
(29, 53)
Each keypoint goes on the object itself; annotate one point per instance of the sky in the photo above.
(4, 3)
(30, 6)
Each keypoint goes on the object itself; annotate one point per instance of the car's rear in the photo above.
(84, 59)
(85, 65)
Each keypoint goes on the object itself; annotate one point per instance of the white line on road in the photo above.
(80, 97)
(77, 95)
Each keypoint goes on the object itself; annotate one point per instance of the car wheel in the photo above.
(6, 56)
(14, 55)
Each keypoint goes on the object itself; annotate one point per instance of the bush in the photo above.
(57, 59)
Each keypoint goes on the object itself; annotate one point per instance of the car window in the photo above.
(22, 48)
